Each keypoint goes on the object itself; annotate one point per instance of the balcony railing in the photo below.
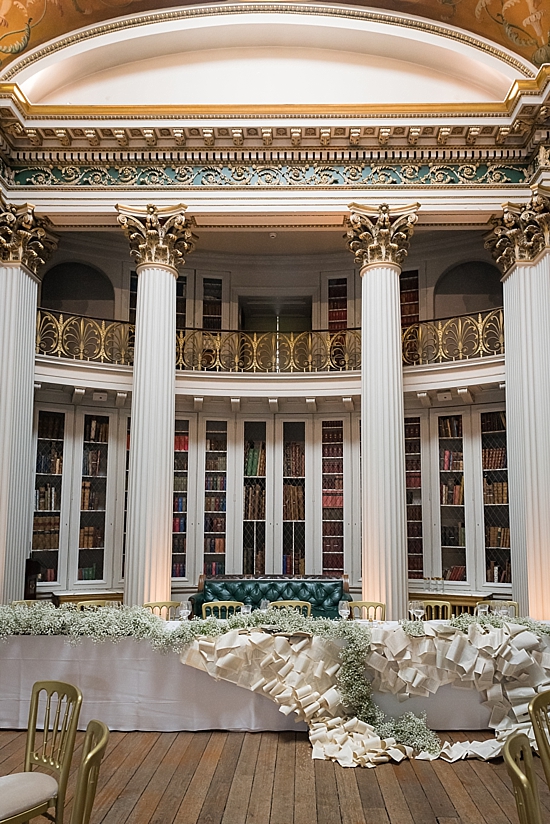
(200, 350)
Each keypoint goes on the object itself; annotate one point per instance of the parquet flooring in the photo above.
(270, 778)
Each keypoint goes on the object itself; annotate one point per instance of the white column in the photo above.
(158, 246)
(380, 245)
(24, 252)
(521, 244)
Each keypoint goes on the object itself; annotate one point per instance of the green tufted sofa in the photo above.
(323, 593)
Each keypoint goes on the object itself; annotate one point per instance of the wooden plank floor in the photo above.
(270, 778)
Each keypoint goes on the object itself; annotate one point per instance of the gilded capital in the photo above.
(380, 235)
(521, 233)
(157, 235)
(24, 238)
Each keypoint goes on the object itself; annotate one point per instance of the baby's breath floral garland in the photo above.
(114, 623)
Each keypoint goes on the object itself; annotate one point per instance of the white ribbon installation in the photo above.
(508, 665)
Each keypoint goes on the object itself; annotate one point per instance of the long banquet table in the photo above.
(131, 686)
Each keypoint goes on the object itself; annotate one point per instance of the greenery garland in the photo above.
(114, 623)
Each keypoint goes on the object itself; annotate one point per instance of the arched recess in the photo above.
(469, 287)
(78, 289)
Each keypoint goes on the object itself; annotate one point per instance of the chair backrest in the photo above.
(303, 606)
(220, 609)
(371, 610)
(495, 604)
(93, 603)
(165, 609)
(95, 743)
(519, 763)
(53, 747)
(437, 610)
(23, 603)
(539, 713)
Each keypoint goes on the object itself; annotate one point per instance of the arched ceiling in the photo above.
(522, 26)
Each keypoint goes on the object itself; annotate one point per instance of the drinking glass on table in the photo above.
(343, 609)
(416, 609)
(185, 610)
(246, 609)
(264, 605)
(482, 610)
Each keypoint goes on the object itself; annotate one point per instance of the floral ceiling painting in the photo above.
(522, 26)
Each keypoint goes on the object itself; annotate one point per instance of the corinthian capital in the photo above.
(24, 238)
(521, 233)
(156, 235)
(380, 235)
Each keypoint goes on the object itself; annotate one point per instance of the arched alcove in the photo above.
(79, 289)
(468, 287)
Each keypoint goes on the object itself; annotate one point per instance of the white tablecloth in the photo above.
(130, 686)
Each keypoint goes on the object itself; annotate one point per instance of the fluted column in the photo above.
(158, 239)
(379, 239)
(520, 242)
(24, 246)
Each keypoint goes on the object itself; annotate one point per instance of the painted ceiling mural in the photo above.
(520, 25)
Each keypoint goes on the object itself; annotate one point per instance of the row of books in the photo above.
(412, 464)
(51, 426)
(409, 309)
(216, 463)
(414, 512)
(413, 480)
(451, 460)
(49, 463)
(179, 543)
(91, 498)
(46, 539)
(214, 503)
(214, 568)
(181, 443)
(214, 523)
(414, 529)
(455, 573)
(180, 503)
(412, 446)
(333, 528)
(450, 427)
(179, 523)
(333, 450)
(214, 545)
(215, 482)
(337, 314)
(293, 503)
(499, 574)
(493, 422)
(253, 561)
(330, 500)
(91, 537)
(47, 497)
(496, 492)
(94, 462)
(178, 570)
(48, 574)
(409, 295)
(494, 457)
(453, 535)
(332, 467)
(414, 545)
(216, 444)
(254, 458)
(333, 562)
(416, 562)
(96, 429)
(333, 482)
(294, 565)
(254, 502)
(181, 461)
(294, 459)
(497, 536)
(180, 483)
(452, 493)
(333, 432)
(333, 544)
(88, 573)
(412, 428)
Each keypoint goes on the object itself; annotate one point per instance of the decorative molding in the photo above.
(24, 238)
(521, 233)
(377, 235)
(267, 176)
(156, 235)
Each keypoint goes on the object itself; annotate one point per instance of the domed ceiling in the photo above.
(522, 26)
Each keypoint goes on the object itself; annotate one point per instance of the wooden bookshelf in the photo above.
(413, 475)
(215, 497)
(126, 478)
(47, 493)
(451, 498)
(333, 496)
(254, 511)
(337, 304)
(495, 498)
(408, 286)
(181, 302)
(93, 498)
(179, 506)
(212, 303)
(294, 486)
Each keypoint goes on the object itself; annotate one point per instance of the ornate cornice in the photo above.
(521, 233)
(377, 235)
(156, 236)
(24, 238)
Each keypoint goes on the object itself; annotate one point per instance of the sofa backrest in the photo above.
(323, 595)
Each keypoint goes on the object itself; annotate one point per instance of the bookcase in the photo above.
(413, 475)
(48, 489)
(495, 498)
(337, 304)
(181, 302)
(212, 293)
(294, 501)
(93, 498)
(126, 477)
(451, 486)
(215, 498)
(254, 502)
(180, 507)
(408, 286)
(332, 447)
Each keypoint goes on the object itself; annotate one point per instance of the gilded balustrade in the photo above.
(200, 350)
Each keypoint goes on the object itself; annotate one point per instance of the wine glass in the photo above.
(343, 609)
(246, 609)
(482, 610)
(264, 605)
(416, 609)
(185, 610)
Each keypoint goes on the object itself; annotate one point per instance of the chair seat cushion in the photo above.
(24, 791)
